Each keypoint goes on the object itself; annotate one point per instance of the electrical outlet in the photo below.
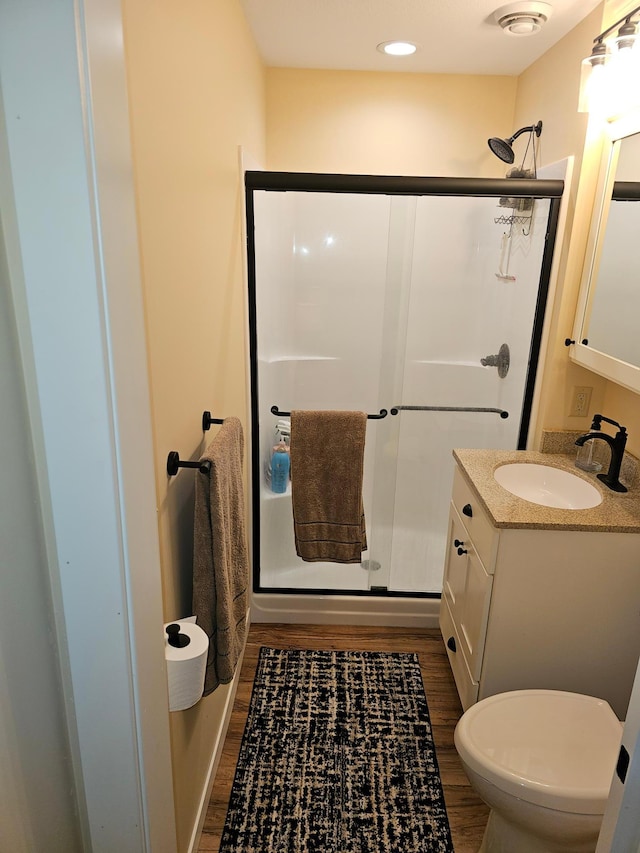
(580, 401)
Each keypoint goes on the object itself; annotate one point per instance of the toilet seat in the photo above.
(548, 747)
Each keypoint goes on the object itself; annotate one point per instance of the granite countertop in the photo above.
(618, 512)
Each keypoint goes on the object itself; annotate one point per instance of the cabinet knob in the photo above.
(462, 551)
(451, 644)
(466, 510)
(458, 542)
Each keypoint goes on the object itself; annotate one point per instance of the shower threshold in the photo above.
(362, 609)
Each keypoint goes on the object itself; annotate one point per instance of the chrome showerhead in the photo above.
(502, 147)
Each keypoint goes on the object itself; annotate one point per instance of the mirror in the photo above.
(607, 328)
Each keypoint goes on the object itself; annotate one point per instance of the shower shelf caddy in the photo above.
(512, 220)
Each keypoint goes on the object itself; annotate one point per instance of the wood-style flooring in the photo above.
(467, 814)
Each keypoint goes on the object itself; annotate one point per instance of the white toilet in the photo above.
(543, 761)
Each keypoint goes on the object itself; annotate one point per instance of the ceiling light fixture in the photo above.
(397, 48)
(523, 18)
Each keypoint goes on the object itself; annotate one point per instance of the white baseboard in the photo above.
(232, 688)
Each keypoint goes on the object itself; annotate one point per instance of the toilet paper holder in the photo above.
(186, 649)
(175, 638)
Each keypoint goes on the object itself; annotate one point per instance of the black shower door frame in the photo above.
(391, 185)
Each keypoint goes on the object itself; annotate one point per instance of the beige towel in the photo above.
(220, 555)
(327, 462)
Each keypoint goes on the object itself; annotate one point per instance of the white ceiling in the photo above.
(455, 36)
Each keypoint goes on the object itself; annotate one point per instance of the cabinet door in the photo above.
(466, 686)
(473, 612)
(467, 593)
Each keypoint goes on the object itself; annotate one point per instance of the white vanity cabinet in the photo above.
(547, 608)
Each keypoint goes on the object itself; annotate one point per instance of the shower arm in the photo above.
(521, 131)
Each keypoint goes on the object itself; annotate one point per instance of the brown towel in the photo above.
(327, 462)
(220, 555)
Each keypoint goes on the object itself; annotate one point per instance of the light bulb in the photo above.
(592, 80)
(622, 87)
(593, 97)
(397, 48)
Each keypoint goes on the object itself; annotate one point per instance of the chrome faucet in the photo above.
(617, 444)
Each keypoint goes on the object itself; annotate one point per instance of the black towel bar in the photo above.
(207, 420)
(383, 414)
(174, 462)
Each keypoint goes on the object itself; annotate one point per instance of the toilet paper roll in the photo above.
(186, 665)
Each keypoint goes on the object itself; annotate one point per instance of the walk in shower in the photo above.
(419, 301)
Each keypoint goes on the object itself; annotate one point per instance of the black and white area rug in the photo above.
(337, 757)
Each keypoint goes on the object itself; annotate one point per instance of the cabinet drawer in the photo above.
(474, 518)
(466, 686)
(455, 571)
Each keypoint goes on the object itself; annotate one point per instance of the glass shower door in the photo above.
(331, 276)
(429, 306)
(473, 296)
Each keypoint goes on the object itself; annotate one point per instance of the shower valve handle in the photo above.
(501, 360)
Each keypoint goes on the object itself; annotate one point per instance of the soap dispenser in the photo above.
(280, 464)
(584, 456)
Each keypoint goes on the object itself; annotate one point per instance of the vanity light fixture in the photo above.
(397, 48)
(609, 74)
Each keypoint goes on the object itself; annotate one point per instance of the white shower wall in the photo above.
(369, 301)
(320, 298)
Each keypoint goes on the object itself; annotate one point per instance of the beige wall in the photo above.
(552, 84)
(196, 88)
(622, 405)
(613, 11)
(386, 123)
(548, 90)
(361, 122)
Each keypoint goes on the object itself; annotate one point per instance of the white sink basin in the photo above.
(547, 486)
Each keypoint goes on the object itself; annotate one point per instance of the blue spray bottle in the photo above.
(280, 464)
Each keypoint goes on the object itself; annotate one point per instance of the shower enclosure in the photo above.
(419, 301)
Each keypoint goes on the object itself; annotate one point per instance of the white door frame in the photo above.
(67, 200)
(620, 831)
(68, 204)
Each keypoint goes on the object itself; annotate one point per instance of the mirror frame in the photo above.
(620, 372)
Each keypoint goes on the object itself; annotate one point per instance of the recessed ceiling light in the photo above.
(397, 48)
